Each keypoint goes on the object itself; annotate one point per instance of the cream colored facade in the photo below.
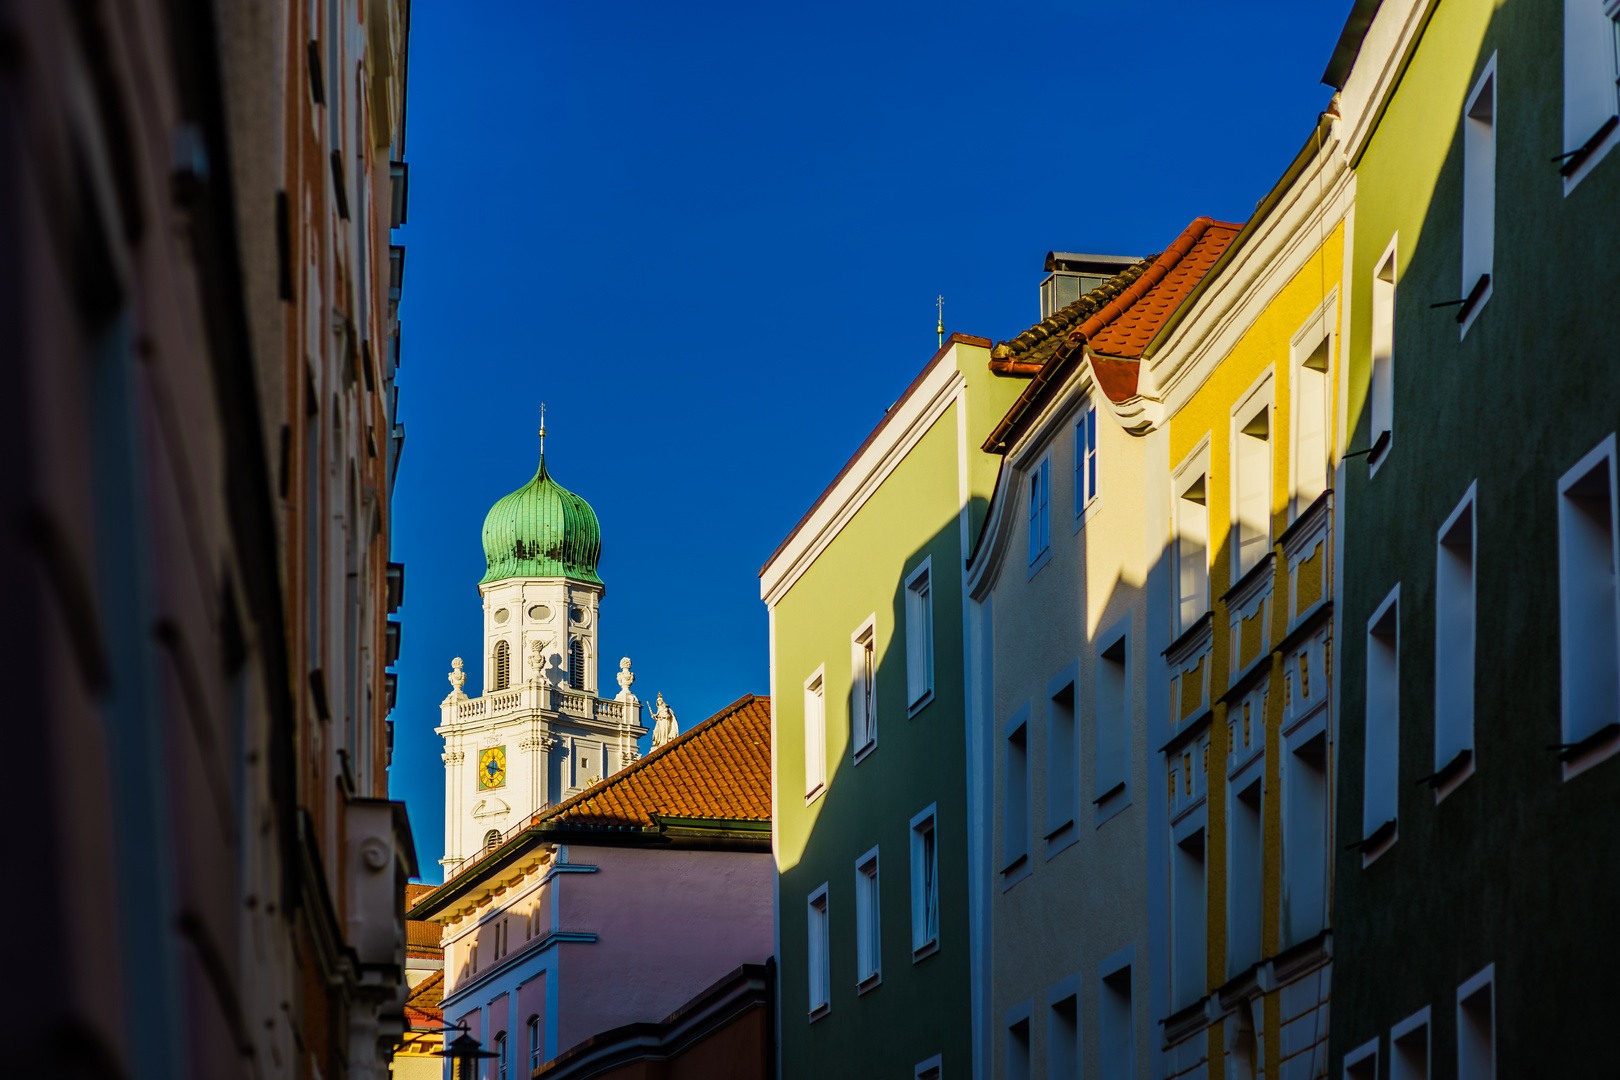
(1056, 634)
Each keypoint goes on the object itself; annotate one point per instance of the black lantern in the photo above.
(466, 1052)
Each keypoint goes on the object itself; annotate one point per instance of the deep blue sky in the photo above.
(710, 236)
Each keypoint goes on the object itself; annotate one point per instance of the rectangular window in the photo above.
(1040, 519)
(1015, 794)
(1116, 1028)
(1244, 860)
(1383, 356)
(919, 637)
(1409, 1048)
(1362, 1062)
(1476, 1027)
(1062, 760)
(1454, 622)
(1479, 194)
(1251, 473)
(1018, 1056)
(868, 940)
(815, 735)
(1189, 920)
(534, 1043)
(1383, 726)
(1305, 839)
(1311, 427)
(1063, 1038)
(820, 954)
(924, 884)
(1589, 620)
(1085, 459)
(863, 687)
(1113, 727)
(1192, 551)
(1591, 70)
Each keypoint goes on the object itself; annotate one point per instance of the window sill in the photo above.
(1376, 842)
(1583, 160)
(873, 981)
(819, 1011)
(1040, 562)
(1449, 776)
(1379, 451)
(920, 704)
(1599, 746)
(1087, 514)
(864, 752)
(814, 795)
(923, 952)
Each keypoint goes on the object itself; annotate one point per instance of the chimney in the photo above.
(1070, 276)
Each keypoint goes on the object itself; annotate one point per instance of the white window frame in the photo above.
(929, 1068)
(924, 883)
(1403, 1031)
(1245, 875)
(536, 1042)
(1108, 972)
(1456, 620)
(1482, 984)
(1189, 527)
(1479, 193)
(1258, 399)
(1062, 760)
(1307, 812)
(1591, 38)
(1359, 1059)
(1381, 358)
(819, 929)
(1586, 618)
(920, 636)
(1039, 515)
(1189, 913)
(1085, 463)
(1021, 1015)
(863, 688)
(1111, 720)
(868, 922)
(815, 735)
(1015, 797)
(1382, 771)
(1317, 334)
(1063, 1058)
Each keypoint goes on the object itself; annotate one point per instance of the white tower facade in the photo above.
(540, 732)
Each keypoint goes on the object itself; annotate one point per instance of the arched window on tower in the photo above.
(503, 665)
(576, 664)
(492, 840)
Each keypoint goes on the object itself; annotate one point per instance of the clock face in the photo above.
(492, 768)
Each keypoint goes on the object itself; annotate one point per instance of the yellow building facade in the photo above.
(1244, 391)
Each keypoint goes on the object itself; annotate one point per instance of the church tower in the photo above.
(540, 732)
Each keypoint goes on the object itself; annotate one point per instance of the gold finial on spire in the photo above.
(940, 304)
(542, 429)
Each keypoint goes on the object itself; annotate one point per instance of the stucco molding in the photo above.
(1283, 244)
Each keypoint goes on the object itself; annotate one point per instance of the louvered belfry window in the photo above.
(576, 664)
(503, 665)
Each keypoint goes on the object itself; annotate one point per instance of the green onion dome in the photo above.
(542, 530)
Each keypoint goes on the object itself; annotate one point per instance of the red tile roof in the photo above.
(1162, 289)
(720, 769)
(1117, 333)
(422, 1003)
(421, 938)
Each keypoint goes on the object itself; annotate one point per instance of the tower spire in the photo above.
(542, 429)
(940, 304)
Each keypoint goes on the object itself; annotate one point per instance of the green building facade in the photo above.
(1478, 783)
(870, 770)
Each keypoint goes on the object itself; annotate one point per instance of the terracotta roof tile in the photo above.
(422, 1003)
(1117, 333)
(1185, 264)
(421, 938)
(1041, 342)
(719, 769)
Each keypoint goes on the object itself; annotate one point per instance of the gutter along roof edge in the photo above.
(951, 340)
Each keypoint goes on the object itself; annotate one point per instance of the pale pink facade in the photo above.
(580, 938)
